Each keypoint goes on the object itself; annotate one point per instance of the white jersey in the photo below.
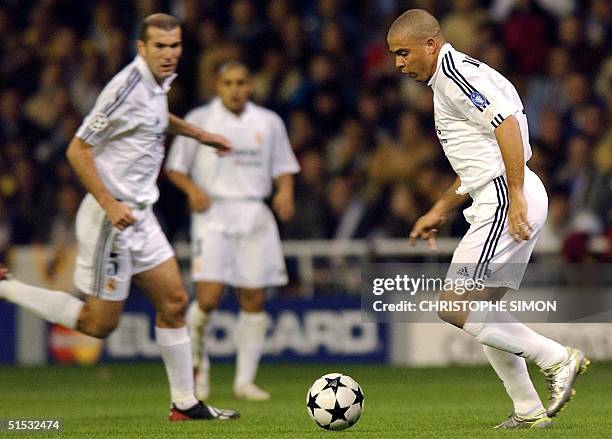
(470, 100)
(261, 152)
(126, 128)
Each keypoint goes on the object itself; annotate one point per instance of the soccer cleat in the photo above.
(515, 421)
(202, 384)
(251, 392)
(201, 412)
(561, 378)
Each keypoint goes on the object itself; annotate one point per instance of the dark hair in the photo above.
(161, 21)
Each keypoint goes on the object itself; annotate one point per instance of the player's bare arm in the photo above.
(198, 200)
(80, 157)
(180, 127)
(283, 198)
(426, 227)
(508, 136)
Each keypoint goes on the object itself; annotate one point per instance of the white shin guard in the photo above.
(249, 337)
(53, 306)
(196, 323)
(512, 370)
(500, 330)
(175, 348)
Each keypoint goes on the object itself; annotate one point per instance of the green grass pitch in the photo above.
(130, 401)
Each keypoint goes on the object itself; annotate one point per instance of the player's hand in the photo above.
(282, 203)
(120, 215)
(198, 200)
(220, 143)
(518, 224)
(426, 228)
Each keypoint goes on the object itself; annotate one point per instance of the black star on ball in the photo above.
(358, 396)
(333, 383)
(337, 412)
(312, 404)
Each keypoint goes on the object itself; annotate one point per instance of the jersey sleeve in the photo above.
(113, 115)
(283, 159)
(183, 151)
(472, 93)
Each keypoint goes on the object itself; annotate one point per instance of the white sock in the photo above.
(249, 337)
(500, 330)
(512, 370)
(53, 306)
(196, 322)
(175, 348)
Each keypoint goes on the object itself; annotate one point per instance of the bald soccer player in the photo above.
(482, 128)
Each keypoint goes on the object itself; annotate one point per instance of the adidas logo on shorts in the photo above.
(463, 271)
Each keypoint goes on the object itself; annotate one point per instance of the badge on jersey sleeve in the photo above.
(478, 99)
(97, 122)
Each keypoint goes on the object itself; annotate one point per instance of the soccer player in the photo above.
(117, 154)
(234, 237)
(483, 131)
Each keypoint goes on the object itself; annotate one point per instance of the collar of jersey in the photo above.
(148, 78)
(218, 105)
(446, 47)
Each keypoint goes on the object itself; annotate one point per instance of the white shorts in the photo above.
(487, 251)
(237, 243)
(107, 257)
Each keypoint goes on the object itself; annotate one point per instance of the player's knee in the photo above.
(97, 323)
(451, 317)
(98, 327)
(252, 301)
(209, 302)
(174, 306)
(444, 315)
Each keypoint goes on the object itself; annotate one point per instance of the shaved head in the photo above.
(231, 65)
(415, 40)
(415, 23)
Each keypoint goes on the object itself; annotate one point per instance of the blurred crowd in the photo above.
(364, 136)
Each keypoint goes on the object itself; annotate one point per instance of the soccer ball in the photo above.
(335, 401)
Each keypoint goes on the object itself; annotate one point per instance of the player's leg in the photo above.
(499, 329)
(162, 285)
(100, 273)
(54, 306)
(512, 371)
(156, 272)
(249, 338)
(561, 365)
(259, 264)
(94, 317)
(510, 367)
(208, 296)
(212, 266)
(99, 317)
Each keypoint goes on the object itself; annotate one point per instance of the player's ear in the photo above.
(218, 82)
(431, 45)
(141, 45)
(249, 84)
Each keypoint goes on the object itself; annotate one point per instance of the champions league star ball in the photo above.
(335, 401)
